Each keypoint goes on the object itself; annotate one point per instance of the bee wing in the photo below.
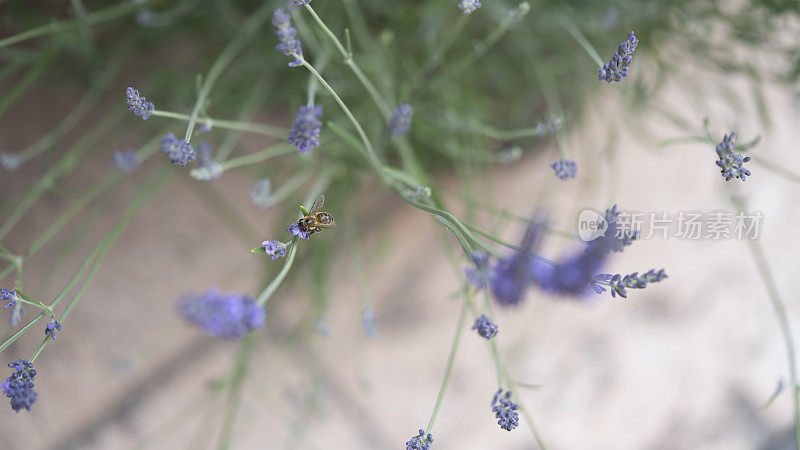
(318, 203)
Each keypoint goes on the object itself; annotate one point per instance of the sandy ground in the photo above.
(685, 364)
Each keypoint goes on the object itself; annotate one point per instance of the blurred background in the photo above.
(688, 363)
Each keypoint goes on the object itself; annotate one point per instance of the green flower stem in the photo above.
(349, 138)
(480, 48)
(257, 157)
(780, 311)
(21, 331)
(438, 54)
(26, 299)
(507, 215)
(84, 25)
(248, 30)
(372, 157)
(67, 163)
(266, 294)
(103, 15)
(257, 128)
(348, 60)
(502, 135)
(291, 185)
(497, 240)
(462, 318)
(573, 29)
(406, 153)
(235, 385)
(146, 192)
(27, 81)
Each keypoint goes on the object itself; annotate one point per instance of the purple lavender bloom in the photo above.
(468, 6)
(485, 327)
(274, 249)
(573, 276)
(306, 128)
(480, 275)
(138, 104)
(295, 230)
(302, 2)
(401, 120)
(619, 65)
(732, 164)
(511, 275)
(505, 410)
(420, 441)
(620, 284)
(51, 329)
(177, 150)
(8, 296)
(287, 35)
(564, 168)
(618, 236)
(126, 161)
(229, 316)
(19, 386)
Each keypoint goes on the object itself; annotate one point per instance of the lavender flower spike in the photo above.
(306, 128)
(296, 231)
(19, 386)
(620, 284)
(52, 327)
(287, 35)
(126, 161)
(732, 164)
(485, 327)
(177, 150)
(505, 410)
(511, 275)
(469, 6)
(420, 441)
(619, 65)
(138, 104)
(401, 120)
(564, 168)
(229, 316)
(274, 249)
(8, 296)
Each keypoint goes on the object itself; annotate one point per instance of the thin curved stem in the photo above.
(257, 128)
(222, 61)
(462, 318)
(779, 306)
(372, 156)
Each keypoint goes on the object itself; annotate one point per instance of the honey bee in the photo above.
(316, 220)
